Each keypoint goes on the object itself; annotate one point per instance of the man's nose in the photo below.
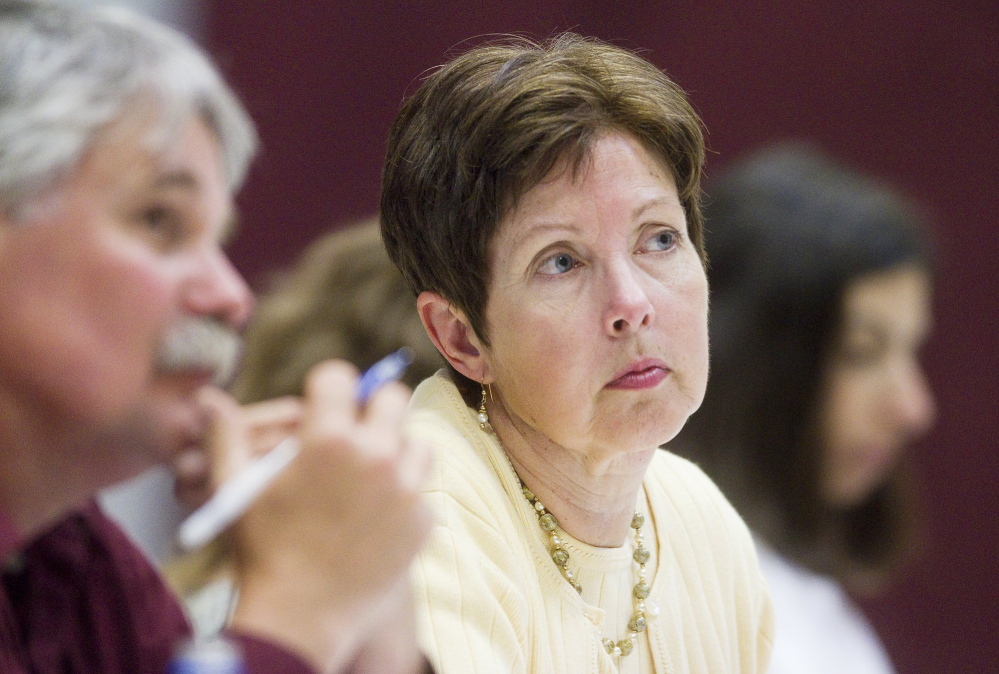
(218, 290)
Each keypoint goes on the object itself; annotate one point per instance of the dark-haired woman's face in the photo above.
(877, 399)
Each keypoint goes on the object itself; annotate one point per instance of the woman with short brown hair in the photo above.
(542, 200)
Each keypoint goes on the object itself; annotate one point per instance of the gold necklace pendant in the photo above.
(560, 556)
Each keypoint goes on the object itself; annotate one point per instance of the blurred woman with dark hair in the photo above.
(821, 292)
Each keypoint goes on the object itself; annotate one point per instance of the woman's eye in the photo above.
(862, 353)
(664, 240)
(558, 264)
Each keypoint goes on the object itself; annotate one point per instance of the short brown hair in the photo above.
(491, 124)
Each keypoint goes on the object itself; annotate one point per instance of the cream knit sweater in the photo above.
(490, 599)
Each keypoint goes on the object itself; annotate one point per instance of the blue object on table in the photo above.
(215, 656)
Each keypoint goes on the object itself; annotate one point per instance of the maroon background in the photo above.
(904, 90)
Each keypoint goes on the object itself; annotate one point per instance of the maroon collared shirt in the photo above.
(82, 599)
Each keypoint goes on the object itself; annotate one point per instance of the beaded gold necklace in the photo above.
(559, 555)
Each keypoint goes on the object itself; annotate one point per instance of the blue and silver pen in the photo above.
(389, 368)
(239, 492)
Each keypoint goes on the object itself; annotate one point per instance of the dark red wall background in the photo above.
(904, 90)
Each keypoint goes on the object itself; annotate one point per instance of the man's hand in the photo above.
(261, 427)
(322, 556)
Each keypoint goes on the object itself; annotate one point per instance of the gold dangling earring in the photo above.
(483, 415)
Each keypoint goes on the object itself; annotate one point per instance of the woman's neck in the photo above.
(591, 493)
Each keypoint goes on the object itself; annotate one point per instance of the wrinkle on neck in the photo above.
(592, 494)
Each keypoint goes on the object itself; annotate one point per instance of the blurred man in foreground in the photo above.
(120, 149)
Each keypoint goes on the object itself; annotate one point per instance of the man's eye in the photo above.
(163, 222)
(558, 264)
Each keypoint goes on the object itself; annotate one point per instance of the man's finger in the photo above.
(330, 391)
(270, 422)
(225, 444)
(284, 410)
(387, 406)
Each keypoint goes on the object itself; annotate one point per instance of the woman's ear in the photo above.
(453, 336)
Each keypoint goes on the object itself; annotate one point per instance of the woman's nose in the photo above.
(628, 305)
(913, 405)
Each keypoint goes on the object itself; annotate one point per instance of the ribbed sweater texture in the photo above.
(490, 600)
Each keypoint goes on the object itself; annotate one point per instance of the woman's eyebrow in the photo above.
(534, 230)
(666, 200)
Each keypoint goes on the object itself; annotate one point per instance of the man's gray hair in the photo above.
(68, 72)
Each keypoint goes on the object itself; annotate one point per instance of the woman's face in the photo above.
(597, 310)
(876, 396)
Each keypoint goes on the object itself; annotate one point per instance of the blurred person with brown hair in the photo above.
(820, 302)
(343, 299)
(543, 202)
(120, 152)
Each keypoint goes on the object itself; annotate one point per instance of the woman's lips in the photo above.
(641, 375)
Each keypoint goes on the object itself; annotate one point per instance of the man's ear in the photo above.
(453, 336)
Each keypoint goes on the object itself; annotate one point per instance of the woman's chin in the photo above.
(638, 438)
(651, 425)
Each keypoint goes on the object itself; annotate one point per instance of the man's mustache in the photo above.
(198, 343)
